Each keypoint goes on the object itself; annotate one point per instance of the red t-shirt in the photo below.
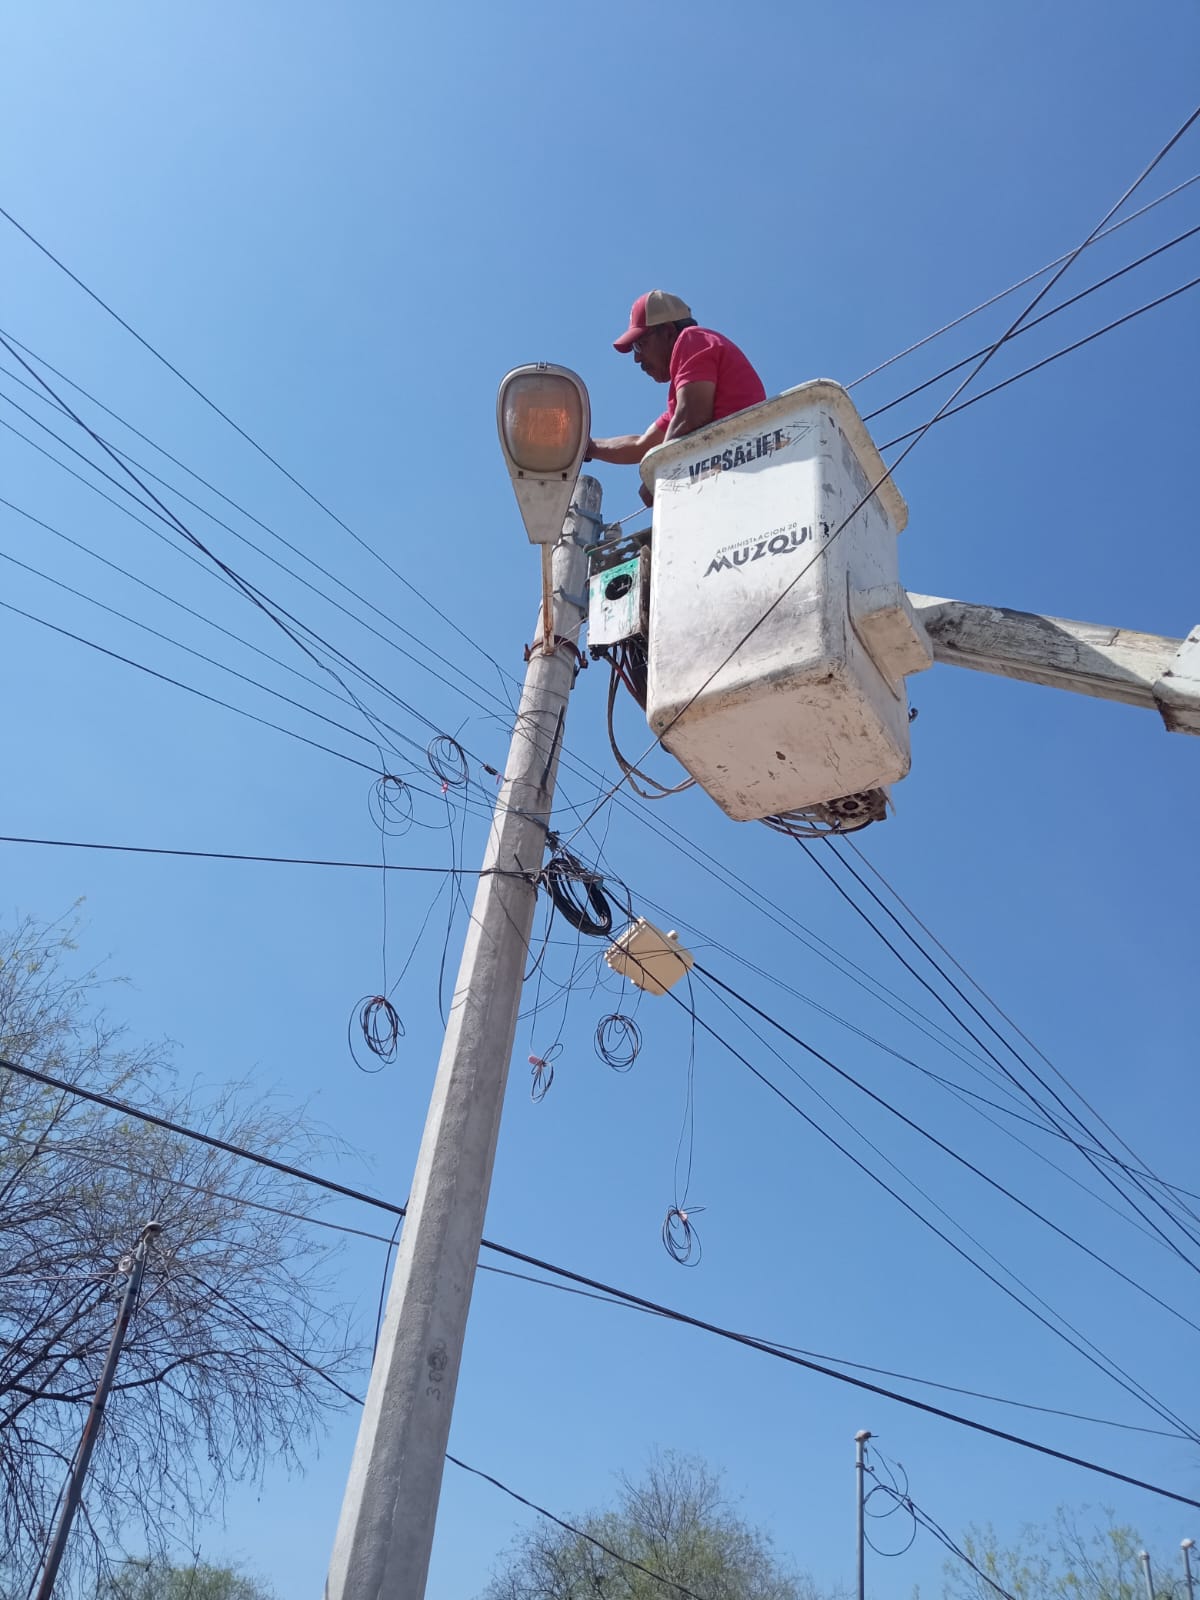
(702, 356)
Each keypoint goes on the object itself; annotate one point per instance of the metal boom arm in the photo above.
(1142, 669)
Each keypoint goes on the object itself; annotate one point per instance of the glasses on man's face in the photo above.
(639, 345)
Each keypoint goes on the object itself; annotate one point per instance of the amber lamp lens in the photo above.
(543, 422)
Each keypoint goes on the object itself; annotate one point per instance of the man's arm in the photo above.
(693, 409)
(627, 449)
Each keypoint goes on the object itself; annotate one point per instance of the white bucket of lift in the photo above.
(779, 638)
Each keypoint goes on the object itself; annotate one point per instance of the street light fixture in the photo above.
(544, 420)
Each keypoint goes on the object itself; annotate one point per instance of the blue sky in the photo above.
(346, 225)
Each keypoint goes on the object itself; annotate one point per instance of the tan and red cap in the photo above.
(651, 311)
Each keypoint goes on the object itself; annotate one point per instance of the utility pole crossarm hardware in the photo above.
(1141, 669)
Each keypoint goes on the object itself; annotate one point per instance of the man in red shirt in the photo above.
(709, 377)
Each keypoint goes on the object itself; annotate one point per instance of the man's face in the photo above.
(652, 352)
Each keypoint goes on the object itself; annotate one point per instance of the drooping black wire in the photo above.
(383, 1283)
(656, 1308)
(618, 1041)
(378, 1023)
(678, 1230)
(391, 805)
(541, 1070)
(577, 893)
(895, 1496)
(448, 762)
(901, 1499)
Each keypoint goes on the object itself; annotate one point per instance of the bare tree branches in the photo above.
(217, 1375)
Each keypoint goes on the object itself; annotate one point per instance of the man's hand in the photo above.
(627, 449)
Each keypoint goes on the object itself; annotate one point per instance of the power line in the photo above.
(1020, 284)
(1173, 1189)
(1100, 1361)
(922, 1519)
(942, 416)
(60, 1147)
(200, 655)
(282, 861)
(940, 1144)
(255, 595)
(1063, 305)
(110, 1102)
(262, 451)
(178, 684)
(243, 510)
(913, 438)
(670, 836)
(348, 1394)
(1087, 1154)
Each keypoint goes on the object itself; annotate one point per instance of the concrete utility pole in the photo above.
(1186, 1546)
(385, 1534)
(860, 1473)
(91, 1427)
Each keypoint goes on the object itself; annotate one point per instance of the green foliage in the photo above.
(676, 1522)
(145, 1580)
(1061, 1561)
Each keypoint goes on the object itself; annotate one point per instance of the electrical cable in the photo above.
(921, 1519)
(542, 1072)
(199, 393)
(1111, 1370)
(284, 861)
(177, 684)
(1063, 305)
(126, 1108)
(1150, 305)
(1011, 1076)
(210, 622)
(200, 655)
(1173, 1189)
(914, 439)
(577, 892)
(1021, 283)
(669, 837)
(1105, 1363)
(618, 1041)
(251, 592)
(90, 1153)
(354, 594)
(946, 1149)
